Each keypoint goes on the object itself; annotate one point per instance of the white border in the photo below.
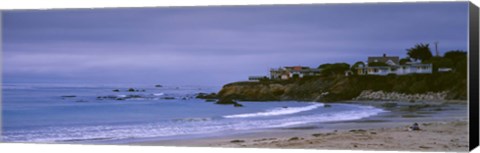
(56, 4)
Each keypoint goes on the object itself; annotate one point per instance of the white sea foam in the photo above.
(159, 94)
(277, 111)
(359, 113)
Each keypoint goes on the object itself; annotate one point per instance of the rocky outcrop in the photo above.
(395, 96)
(341, 88)
(254, 92)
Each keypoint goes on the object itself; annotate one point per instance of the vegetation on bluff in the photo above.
(333, 85)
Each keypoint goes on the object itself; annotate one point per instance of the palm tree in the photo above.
(420, 52)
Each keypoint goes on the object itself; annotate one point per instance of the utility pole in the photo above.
(436, 49)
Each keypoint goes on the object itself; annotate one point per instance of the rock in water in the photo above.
(206, 96)
(226, 101)
(158, 86)
(68, 96)
(237, 105)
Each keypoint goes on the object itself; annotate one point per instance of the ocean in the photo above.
(61, 113)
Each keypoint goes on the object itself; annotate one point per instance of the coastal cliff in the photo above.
(426, 87)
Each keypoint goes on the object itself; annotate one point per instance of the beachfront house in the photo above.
(289, 72)
(385, 65)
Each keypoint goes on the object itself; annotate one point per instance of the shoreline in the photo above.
(445, 130)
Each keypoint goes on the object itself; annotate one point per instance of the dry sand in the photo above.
(451, 136)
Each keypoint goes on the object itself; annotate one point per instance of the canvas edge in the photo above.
(473, 75)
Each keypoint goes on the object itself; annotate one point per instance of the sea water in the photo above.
(49, 113)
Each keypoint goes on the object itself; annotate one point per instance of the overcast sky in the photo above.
(215, 45)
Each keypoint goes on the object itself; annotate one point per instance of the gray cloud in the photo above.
(215, 45)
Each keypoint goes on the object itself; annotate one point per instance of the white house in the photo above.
(289, 72)
(391, 65)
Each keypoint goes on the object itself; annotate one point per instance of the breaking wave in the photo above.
(277, 111)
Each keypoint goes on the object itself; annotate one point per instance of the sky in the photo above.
(214, 45)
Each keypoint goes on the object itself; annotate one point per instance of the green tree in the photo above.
(455, 55)
(333, 69)
(420, 52)
(324, 66)
(404, 61)
(357, 64)
(440, 62)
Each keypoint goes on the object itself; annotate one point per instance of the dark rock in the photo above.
(68, 96)
(131, 90)
(134, 96)
(226, 101)
(321, 134)
(206, 96)
(210, 100)
(425, 147)
(237, 105)
(116, 90)
(106, 97)
(327, 106)
(169, 98)
(358, 131)
(158, 86)
(237, 141)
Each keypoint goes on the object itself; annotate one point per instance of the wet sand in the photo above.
(443, 128)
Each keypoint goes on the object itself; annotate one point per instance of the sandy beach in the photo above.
(445, 130)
